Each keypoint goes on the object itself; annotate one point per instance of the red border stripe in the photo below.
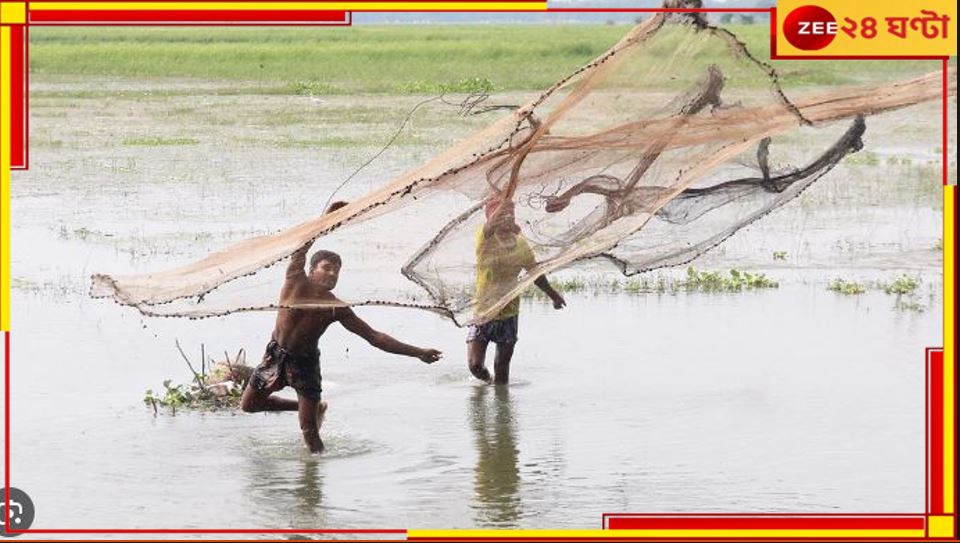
(18, 156)
(203, 15)
(936, 433)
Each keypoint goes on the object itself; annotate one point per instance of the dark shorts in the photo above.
(498, 331)
(281, 368)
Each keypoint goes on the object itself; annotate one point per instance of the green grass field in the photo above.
(396, 59)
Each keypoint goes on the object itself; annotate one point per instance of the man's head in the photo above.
(325, 269)
(501, 211)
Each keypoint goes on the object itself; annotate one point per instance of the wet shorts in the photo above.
(497, 331)
(281, 368)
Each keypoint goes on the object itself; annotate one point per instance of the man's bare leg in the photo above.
(254, 400)
(308, 411)
(476, 359)
(501, 363)
(321, 413)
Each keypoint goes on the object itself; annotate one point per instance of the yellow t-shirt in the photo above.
(498, 265)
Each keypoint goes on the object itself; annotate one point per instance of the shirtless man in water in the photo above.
(292, 358)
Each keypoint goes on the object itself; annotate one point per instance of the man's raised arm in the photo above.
(298, 263)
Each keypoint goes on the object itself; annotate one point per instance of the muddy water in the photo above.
(791, 399)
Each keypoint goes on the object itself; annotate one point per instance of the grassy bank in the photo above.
(399, 59)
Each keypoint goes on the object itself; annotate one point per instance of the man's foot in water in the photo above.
(481, 372)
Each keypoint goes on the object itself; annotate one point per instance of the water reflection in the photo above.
(309, 494)
(287, 491)
(497, 476)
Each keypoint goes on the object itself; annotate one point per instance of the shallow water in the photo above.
(809, 402)
(791, 399)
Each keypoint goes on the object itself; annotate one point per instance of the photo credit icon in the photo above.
(20, 514)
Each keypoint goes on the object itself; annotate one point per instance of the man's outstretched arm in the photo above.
(383, 341)
(544, 285)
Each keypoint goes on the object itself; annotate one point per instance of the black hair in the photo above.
(320, 256)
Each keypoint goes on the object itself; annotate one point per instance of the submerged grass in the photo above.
(159, 141)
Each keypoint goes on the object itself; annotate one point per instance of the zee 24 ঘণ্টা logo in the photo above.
(812, 28)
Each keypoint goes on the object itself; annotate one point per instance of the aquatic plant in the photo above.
(221, 388)
(713, 281)
(702, 281)
(842, 286)
(902, 285)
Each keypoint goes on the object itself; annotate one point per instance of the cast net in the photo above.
(646, 157)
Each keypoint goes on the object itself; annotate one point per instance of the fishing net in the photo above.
(646, 157)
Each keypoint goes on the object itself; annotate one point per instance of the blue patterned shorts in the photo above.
(497, 331)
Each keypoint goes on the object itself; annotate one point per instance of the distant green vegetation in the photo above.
(384, 59)
(376, 59)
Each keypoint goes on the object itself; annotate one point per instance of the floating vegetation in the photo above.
(220, 388)
(695, 281)
(842, 286)
(902, 285)
(712, 281)
(904, 288)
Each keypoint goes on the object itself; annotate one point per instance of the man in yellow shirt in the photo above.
(502, 253)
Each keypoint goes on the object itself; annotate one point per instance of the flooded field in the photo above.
(790, 399)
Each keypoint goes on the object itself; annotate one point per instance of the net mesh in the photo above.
(646, 157)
